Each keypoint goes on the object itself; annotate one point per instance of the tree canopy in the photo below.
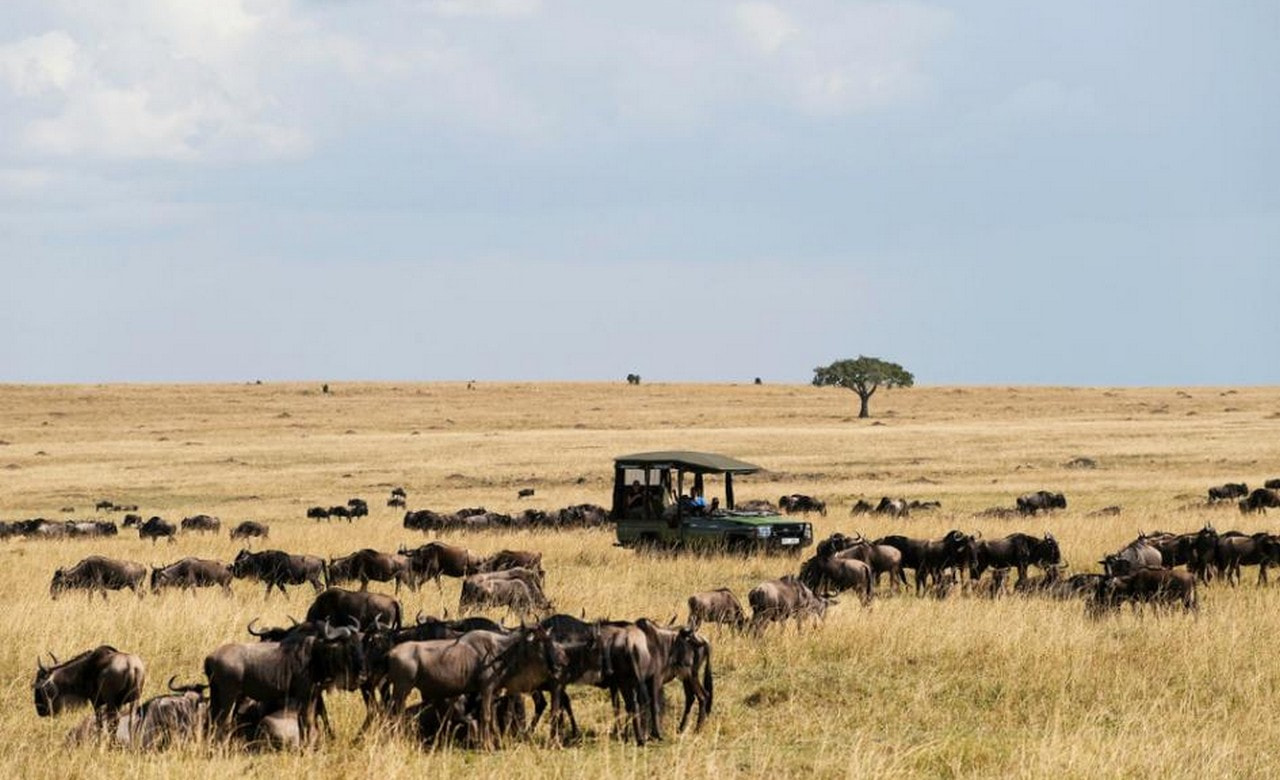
(863, 376)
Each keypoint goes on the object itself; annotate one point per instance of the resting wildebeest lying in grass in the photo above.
(101, 574)
(516, 589)
(104, 678)
(157, 723)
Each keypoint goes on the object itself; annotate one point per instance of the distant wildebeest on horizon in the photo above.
(1041, 501)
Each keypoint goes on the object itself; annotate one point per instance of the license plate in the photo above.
(786, 542)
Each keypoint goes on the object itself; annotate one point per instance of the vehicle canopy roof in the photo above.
(686, 460)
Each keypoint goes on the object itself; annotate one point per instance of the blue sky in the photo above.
(993, 192)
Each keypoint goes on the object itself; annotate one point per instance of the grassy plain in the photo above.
(906, 688)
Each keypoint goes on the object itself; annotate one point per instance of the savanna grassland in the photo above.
(906, 688)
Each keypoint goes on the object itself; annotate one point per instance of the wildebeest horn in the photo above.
(420, 618)
(251, 631)
(40, 664)
(355, 624)
(292, 620)
(55, 658)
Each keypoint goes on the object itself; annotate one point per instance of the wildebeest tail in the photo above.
(324, 571)
(397, 617)
(708, 683)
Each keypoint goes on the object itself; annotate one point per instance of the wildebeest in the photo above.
(1018, 551)
(775, 601)
(250, 528)
(202, 523)
(368, 564)
(290, 672)
(156, 528)
(357, 507)
(515, 559)
(105, 504)
(716, 606)
(525, 493)
(432, 560)
(1041, 501)
(367, 610)
(1132, 557)
(277, 569)
(894, 507)
(396, 501)
(191, 573)
(798, 503)
(1261, 500)
(158, 722)
(131, 520)
(340, 511)
(882, 558)
(1161, 587)
(1233, 551)
(1227, 492)
(318, 513)
(399, 492)
(861, 507)
(478, 662)
(1272, 484)
(929, 558)
(826, 573)
(516, 589)
(678, 654)
(99, 573)
(83, 528)
(103, 677)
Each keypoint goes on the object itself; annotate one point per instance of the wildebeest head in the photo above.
(58, 584)
(338, 658)
(48, 699)
(1048, 552)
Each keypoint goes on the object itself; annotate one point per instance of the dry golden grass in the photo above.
(907, 688)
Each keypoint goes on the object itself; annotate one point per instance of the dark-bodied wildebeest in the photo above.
(827, 574)
(294, 672)
(716, 606)
(1260, 549)
(432, 560)
(1017, 551)
(882, 558)
(861, 507)
(1161, 587)
(1261, 500)
(586, 663)
(358, 507)
(202, 523)
(478, 662)
(1272, 484)
(156, 528)
(98, 573)
(103, 677)
(318, 513)
(340, 511)
(105, 504)
(83, 528)
(775, 601)
(277, 569)
(1041, 501)
(678, 654)
(131, 521)
(1227, 492)
(369, 564)
(191, 573)
(397, 502)
(516, 589)
(249, 529)
(367, 610)
(798, 503)
(929, 558)
(399, 492)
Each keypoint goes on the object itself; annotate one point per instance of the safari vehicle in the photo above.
(652, 509)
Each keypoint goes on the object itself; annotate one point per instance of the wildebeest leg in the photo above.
(633, 712)
(486, 715)
(323, 714)
(364, 584)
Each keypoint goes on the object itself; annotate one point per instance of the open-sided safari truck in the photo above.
(660, 499)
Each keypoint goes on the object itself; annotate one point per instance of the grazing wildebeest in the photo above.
(318, 513)
(1018, 551)
(367, 610)
(894, 507)
(798, 503)
(775, 601)
(202, 523)
(1261, 500)
(515, 589)
(340, 511)
(191, 573)
(1260, 549)
(294, 672)
(249, 528)
(1227, 492)
(716, 606)
(1041, 501)
(368, 564)
(104, 677)
(432, 560)
(1132, 557)
(824, 574)
(1161, 587)
(678, 654)
(478, 662)
(277, 569)
(98, 573)
(156, 528)
(929, 558)
(132, 521)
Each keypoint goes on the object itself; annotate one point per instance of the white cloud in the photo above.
(36, 65)
(765, 25)
(503, 8)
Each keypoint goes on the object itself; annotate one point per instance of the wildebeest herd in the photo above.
(473, 674)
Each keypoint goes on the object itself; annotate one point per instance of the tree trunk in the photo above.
(863, 412)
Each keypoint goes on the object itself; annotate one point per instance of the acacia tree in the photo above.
(863, 376)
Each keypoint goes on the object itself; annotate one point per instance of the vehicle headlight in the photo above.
(808, 531)
(764, 531)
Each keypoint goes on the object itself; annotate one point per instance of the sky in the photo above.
(993, 192)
